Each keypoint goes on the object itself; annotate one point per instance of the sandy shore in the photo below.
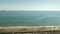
(29, 28)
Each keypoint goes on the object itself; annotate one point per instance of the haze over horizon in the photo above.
(29, 4)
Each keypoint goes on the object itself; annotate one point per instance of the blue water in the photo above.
(29, 18)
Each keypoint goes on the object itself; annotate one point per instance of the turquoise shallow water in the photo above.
(29, 18)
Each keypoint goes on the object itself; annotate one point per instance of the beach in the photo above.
(29, 29)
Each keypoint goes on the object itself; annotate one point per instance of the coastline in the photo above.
(31, 27)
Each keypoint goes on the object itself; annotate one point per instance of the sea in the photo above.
(29, 18)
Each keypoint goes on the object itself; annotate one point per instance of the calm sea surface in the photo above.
(29, 18)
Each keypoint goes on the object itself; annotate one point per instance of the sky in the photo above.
(30, 4)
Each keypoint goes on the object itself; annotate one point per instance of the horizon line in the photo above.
(35, 9)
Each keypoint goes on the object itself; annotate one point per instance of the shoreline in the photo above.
(29, 28)
(32, 27)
